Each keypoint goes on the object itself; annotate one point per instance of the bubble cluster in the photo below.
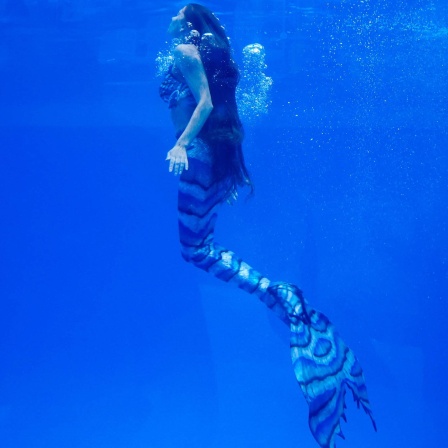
(253, 90)
(163, 61)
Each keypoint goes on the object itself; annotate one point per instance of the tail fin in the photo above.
(324, 366)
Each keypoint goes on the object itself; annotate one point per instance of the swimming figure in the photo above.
(199, 88)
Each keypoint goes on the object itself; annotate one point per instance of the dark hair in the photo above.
(223, 130)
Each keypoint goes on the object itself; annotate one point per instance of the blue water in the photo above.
(108, 339)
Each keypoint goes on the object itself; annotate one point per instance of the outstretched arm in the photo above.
(188, 61)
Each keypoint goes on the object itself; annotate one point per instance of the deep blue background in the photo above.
(108, 339)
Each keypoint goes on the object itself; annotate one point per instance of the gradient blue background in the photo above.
(108, 339)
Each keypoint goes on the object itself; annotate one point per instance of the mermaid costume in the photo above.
(323, 364)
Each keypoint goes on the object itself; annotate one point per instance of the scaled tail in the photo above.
(323, 365)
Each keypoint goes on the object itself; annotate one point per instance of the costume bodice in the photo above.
(172, 90)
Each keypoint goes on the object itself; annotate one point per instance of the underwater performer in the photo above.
(199, 87)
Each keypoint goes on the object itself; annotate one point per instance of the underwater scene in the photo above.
(110, 335)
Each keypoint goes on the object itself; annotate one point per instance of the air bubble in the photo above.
(163, 62)
(253, 90)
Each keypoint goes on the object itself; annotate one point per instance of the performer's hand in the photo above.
(178, 159)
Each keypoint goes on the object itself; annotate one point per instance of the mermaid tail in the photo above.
(324, 366)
